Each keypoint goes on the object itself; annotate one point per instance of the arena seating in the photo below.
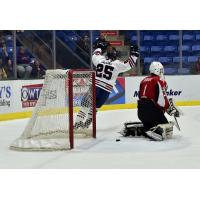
(154, 45)
(71, 37)
(164, 47)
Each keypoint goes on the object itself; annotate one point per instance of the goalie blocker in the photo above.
(157, 133)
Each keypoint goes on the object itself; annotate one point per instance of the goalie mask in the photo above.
(157, 69)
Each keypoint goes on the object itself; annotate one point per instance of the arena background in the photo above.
(142, 15)
(177, 50)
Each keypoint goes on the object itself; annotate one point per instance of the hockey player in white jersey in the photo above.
(108, 67)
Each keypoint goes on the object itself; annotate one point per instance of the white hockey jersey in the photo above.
(107, 71)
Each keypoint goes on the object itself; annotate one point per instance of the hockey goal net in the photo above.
(51, 126)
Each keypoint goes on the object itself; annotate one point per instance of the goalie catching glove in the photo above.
(173, 110)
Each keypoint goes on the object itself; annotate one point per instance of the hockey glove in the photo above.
(134, 51)
(173, 110)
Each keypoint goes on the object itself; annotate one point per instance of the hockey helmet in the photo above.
(156, 68)
(112, 53)
(103, 45)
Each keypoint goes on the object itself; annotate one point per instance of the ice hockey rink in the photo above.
(182, 151)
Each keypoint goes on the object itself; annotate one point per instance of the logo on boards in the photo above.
(30, 94)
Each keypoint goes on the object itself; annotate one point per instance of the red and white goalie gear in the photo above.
(161, 132)
(158, 95)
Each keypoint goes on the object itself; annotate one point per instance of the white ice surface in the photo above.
(182, 151)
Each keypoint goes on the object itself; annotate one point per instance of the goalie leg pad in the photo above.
(132, 129)
(160, 132)
(167, 130)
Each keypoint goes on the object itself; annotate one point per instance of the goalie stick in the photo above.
(176, 123)
(172, 103)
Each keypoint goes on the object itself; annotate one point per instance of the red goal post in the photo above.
(51, 126)
(71, 102)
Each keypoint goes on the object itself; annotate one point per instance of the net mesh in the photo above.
(48, 128)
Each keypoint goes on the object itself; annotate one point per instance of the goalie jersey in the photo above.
(154, 88)
(107, 70)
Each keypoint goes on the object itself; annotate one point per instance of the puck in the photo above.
(117, 140)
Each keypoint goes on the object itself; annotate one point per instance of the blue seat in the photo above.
(60, 34)
(188, 37)
(9, 39)
(196, 48)
(177, 59)
(171, 71)
(144, 48)
(184, 70)
(173, 37)
(129, 34)
(148, 59)
(148, 38)
(9, 43)
(170, 48)
(162, 37)
(165, 59)
(171, 32)
(66, 38)
(96, 33)
(156, 48)
(192, 59)
(134, 38)
(186, 65)
(197, 36)
(185, 47)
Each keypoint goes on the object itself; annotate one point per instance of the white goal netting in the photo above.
(49, 126)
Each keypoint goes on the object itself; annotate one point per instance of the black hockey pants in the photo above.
(149, 114)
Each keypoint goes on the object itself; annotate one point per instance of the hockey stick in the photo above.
(176, 123)
(172, 103)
